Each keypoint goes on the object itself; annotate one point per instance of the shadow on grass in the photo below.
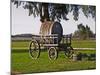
(85, 56)
(80, 56)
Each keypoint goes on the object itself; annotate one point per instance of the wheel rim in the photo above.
(69, 52)
(34, 50)
(52, 53)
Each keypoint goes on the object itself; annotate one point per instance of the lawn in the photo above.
(21, 62)
(84, 43)
(75, 44)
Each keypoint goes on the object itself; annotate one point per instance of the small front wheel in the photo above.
(52, 53)
(34, 49)
(69, 52)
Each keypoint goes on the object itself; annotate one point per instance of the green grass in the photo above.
(84, 43)
(21, 62)
(20, 44)
(75, 44)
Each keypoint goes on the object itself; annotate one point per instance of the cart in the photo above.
(51, 44)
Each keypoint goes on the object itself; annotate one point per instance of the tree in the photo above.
(51, 11)
(89, 33)
(83, 32)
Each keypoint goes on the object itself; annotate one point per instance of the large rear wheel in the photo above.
(34, 49)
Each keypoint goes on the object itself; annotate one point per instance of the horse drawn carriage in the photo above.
(53, 43)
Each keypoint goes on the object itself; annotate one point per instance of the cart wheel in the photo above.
(69, 52)
(52, 53)
(34, 49)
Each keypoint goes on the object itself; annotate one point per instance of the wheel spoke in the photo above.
(34, 49)
(69, 52)
(52, 53)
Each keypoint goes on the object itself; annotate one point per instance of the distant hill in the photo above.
(22, 35)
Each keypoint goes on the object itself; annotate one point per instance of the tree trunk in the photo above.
(46, 27)
(45, 20)
(44, 12)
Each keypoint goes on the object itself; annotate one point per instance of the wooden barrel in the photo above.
(57, 29)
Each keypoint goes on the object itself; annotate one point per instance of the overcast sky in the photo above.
(22, 23)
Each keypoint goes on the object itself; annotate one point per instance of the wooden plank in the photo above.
(45, 35)
(50, 45)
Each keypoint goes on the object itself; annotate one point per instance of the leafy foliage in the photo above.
(53, 11)
(83, 32)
